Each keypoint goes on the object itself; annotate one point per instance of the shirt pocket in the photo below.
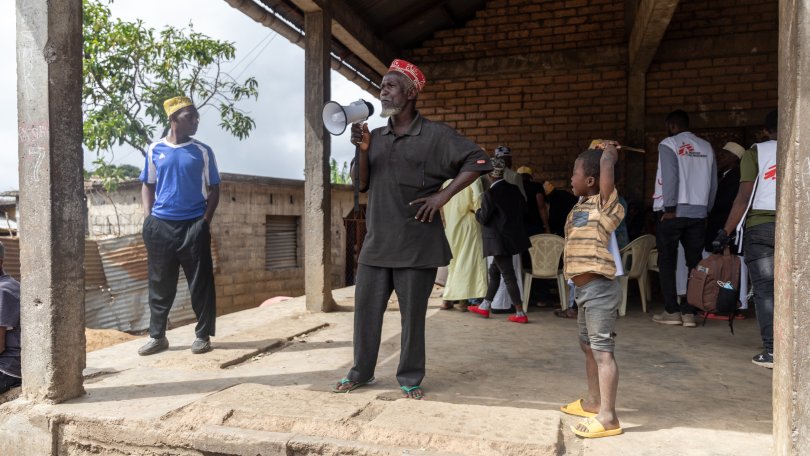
(580, 218)
(409, 172)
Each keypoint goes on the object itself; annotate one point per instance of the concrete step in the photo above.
(252, 419)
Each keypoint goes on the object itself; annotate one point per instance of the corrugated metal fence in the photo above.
(116, 289)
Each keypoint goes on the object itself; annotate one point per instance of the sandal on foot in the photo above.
(416, 390)
(339, 387)
(446, 305)
(567, 313)
(575, 408)
(595, 429)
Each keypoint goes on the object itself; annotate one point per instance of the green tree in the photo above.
(338, 176)
(129, 70)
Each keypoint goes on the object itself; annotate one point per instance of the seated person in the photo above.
(10, 374)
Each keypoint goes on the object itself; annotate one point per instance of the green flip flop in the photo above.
(408, 389)
(354, 386)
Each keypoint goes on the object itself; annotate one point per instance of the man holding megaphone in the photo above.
(402, 167)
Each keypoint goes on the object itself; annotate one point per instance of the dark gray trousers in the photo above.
(758, 250)
(502, 267)
(373, 289)
(170, 245)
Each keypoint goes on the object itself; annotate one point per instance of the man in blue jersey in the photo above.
(180, 194)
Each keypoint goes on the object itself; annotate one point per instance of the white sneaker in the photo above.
(688, 320)
(666, 318)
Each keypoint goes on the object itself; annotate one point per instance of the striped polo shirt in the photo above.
(587, 236)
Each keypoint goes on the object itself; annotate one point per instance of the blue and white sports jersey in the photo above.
(181, 174)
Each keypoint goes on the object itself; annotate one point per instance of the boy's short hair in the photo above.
(590, 160)
(592, 165)
(772, 121)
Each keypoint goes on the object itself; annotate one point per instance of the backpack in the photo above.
(714, 286)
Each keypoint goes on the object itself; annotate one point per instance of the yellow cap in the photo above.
(524, 170)
(172, 105)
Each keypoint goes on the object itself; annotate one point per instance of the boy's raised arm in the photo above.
(606, 166)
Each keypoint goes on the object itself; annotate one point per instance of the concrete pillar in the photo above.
(317, 187)
(791, 373)
(49, 87)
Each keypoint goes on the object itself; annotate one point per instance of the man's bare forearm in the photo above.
(460, 182)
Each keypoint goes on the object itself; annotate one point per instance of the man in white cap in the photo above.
(728, 182)
(180, 194)
(402, 166)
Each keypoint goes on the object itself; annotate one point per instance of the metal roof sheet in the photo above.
(116, 292)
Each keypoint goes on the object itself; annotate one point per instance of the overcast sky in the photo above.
(275, 148)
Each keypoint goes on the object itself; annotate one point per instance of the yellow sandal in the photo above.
(595, 429)
(575, 408)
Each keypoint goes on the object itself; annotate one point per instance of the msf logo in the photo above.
(686, 149)
(770, 174)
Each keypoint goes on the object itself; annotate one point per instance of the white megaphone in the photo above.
(337, 117)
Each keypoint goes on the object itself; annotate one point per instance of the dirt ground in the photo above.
(103, 338)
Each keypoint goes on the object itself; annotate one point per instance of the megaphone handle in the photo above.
(356, 181)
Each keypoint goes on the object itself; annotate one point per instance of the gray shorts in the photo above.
(598, 302)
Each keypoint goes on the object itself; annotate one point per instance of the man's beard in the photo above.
(391, 111)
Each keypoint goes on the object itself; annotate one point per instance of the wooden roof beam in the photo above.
(651, 21)
(354, 32)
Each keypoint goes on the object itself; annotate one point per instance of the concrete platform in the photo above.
(493, 388)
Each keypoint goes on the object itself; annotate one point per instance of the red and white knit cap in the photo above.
(411, 71)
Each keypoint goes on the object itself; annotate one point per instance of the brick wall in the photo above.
(547, 77)
(239, 233)
(718, 62)
(547, 115)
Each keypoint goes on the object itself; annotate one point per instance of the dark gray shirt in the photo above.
(402, 169)
(10, 318)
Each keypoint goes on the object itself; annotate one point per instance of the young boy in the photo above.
(591, 266)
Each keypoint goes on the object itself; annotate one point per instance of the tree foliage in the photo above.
(338, 176)
(130, 69)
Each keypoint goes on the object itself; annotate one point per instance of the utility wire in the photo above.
(250, 52)
(257, 56)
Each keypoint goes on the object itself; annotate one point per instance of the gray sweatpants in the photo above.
(373, 289)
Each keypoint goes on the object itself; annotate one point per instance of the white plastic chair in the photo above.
(546, 251)
(635, 258)
(652, 265)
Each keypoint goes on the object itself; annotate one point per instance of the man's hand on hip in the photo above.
(430, 206)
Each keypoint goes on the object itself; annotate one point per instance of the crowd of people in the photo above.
(415, 170)
(436, 198)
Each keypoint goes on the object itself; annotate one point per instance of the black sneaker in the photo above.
(764, 359)
(201, 346)
(154, 346)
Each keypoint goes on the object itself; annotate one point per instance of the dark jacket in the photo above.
(502, 211)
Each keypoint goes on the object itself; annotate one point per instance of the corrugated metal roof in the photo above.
(116, 289)
(11, 264)
(125, 304)
(124, 260)
(405, 24)
(401, 25)
(7, 225)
